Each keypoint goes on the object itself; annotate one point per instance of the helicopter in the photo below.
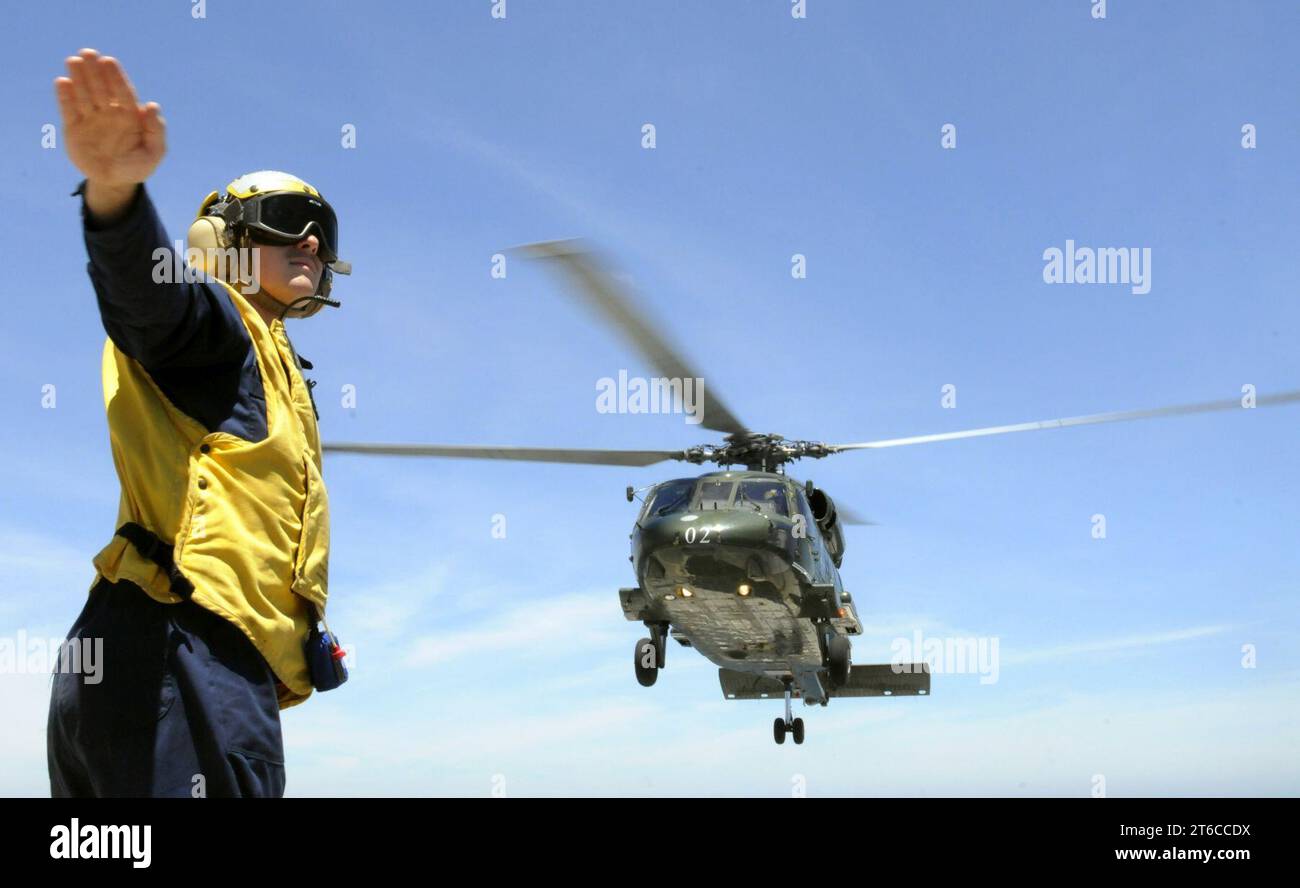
(743, 565)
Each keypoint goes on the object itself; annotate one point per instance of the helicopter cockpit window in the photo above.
(715, 494)
(763, 496)
(671, 496)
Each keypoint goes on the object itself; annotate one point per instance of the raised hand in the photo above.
(114, 140)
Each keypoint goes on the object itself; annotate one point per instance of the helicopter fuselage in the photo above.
(738, 569)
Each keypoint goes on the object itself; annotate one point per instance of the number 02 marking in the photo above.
(703, 535)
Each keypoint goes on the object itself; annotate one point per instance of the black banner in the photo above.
(987, 835)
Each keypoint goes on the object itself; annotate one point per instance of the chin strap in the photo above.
(312, 298)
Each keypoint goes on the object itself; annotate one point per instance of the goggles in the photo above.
(288, 217)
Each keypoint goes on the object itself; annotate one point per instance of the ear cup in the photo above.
(207, 235)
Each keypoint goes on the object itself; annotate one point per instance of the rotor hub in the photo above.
(756, 451)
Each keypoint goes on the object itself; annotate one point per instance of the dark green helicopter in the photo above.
(742, 566)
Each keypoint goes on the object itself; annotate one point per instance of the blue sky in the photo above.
(485, 662)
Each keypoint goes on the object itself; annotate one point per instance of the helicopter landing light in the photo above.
(684, 592)
(743, 590)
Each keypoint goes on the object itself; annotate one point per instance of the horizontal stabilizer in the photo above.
(864, 681)
(750, 686)
(884, 680)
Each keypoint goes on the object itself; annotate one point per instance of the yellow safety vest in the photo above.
(249, 520)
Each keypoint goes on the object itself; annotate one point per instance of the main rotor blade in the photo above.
(1122, 416)
(529, 454)
(611, 300)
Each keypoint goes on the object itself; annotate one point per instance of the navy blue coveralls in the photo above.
(187, 706)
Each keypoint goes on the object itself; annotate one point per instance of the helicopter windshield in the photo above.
(671, 496)
(763, 496)
(715, 494)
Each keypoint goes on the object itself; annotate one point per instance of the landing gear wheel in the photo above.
(837, 657)
(646, 653)
(778, 731)
(797, 730)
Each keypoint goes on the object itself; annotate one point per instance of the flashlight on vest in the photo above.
(324, 655)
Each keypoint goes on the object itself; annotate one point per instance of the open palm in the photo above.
(110, 136)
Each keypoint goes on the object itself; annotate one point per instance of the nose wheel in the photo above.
(649, 656)
(646, 663)
(787, 725)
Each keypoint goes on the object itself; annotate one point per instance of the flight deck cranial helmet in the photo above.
(269, 207)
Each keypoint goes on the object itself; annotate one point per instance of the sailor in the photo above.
(217, 574)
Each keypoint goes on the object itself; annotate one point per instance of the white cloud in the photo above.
(524, 629)
(1125, 643)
